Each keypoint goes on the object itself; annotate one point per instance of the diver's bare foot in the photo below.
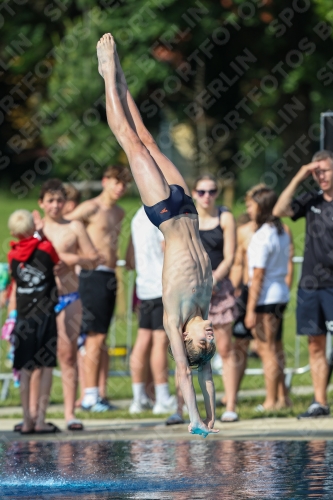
(106, 49)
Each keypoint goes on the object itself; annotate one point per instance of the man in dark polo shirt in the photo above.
(315, 292)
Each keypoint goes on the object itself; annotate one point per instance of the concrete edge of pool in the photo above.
(116, 430)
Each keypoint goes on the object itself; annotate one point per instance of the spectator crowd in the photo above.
(63, 292)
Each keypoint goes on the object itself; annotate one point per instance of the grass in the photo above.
(246, 410)
(120, 387)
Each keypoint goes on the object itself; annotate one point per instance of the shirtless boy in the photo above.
(98, 288)
(74, 247)
(187, 275)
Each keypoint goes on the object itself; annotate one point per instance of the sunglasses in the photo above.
(211, 192)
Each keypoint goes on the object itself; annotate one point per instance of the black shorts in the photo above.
(151, 314)
(239, 328)
(276, 309)
(98, 290)
(35, 342)
(314, 311)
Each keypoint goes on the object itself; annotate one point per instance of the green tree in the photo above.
(193, 68)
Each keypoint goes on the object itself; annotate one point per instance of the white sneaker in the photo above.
(168, 406)
(139, 406)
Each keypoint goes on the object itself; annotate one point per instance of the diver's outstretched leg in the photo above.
(151, 183)
(169, 170)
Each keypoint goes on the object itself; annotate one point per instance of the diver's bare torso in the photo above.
(187, 274)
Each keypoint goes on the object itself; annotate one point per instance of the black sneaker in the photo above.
(315, 410)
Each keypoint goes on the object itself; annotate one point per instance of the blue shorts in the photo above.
(315, 311)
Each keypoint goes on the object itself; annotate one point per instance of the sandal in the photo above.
(75, 425)
(24, 433)
(175, 419)
(51, 430)
(229, 416)
(18, 427)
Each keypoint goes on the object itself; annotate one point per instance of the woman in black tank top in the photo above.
(218, 235)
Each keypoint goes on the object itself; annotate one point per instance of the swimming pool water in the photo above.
(177, 470)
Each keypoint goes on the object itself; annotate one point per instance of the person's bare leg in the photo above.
(82, 385)
(265, 332)
(159, 358)
(283, 399)
(139, 365)
(241, 347)
(92, 359)
(149, 380)
(225, 348)
(145, 171)
(139, 359)
(44, 397)
(240, 352)
(169, 170)
(68, 325)
(28, 423)
(34, 393)
(319, 367)
(103, 371)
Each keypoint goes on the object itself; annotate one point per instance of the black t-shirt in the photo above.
(213, 241)
(317, 271)
(31, 264)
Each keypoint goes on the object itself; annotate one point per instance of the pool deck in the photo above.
(154, 428)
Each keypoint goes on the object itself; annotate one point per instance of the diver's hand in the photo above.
(201, 429)
(209, 422)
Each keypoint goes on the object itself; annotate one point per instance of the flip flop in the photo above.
(51, 430)
(229, 416)
(18, 427)
(260, 409)
(75, 425)
(175, 419)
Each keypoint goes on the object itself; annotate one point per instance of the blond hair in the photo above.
(197, 357)
(21, 223)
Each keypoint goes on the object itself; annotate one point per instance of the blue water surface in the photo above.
(179, 470)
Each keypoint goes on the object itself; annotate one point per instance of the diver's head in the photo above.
(199, 342)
